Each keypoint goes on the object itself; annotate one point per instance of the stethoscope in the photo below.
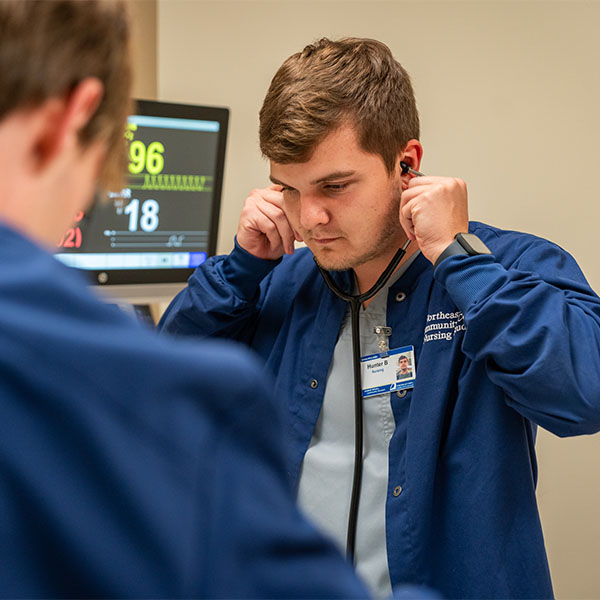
(355, 301)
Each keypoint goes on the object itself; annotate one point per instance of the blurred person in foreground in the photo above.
(130, 466)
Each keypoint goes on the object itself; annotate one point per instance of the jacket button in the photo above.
(314, 384)
(401, 393)
(397, 490)
(400, 297)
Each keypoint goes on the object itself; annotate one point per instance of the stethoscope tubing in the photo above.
(356, 301)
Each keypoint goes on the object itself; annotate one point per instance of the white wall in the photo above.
(509, 95)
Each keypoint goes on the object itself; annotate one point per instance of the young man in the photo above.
(129, 466)
(484, 312)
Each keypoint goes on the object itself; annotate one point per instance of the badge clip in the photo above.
(383, 333)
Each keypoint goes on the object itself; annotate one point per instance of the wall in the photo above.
(143, 47)
(509, 95)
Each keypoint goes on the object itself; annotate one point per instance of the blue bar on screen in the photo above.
(171, 123)
(197, 258)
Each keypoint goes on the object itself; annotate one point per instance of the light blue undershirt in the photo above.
(326, 476)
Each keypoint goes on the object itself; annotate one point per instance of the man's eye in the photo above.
(336, 187)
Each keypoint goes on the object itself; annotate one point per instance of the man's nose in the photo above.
(313, 212)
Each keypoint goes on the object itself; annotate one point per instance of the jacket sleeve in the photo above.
(222, 298)
(535, 324)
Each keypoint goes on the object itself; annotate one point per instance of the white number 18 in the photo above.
(149, 220)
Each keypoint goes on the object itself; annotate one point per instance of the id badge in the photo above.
(388, 371)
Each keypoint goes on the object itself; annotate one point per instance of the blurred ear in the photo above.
(60, 120)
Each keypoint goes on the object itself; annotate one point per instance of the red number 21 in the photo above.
(71, 239)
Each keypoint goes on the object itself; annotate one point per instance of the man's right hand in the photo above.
(264, 230)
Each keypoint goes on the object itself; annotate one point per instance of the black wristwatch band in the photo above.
(466, 244)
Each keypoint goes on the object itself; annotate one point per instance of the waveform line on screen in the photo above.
(174, 183)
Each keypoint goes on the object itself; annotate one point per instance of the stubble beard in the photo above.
(385, 241)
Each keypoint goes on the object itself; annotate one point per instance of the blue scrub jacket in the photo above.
(138, 467)
(502, 343)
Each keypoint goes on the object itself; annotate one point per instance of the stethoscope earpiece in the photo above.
(406, 169)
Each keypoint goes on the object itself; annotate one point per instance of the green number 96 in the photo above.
(151, 158)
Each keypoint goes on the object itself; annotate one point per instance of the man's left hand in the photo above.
(432, 211)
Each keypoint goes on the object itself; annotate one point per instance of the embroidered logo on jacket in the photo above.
(443, 326)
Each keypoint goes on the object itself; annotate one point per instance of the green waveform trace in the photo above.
(173, 183)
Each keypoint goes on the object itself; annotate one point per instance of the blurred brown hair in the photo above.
(329, 83)
(48, 46)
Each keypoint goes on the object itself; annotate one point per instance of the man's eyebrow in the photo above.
(333, 176)
(329, 177)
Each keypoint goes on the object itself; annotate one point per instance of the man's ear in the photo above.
(411, 155)
(62, 119)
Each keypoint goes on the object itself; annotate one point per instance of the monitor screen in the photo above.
(164, 223)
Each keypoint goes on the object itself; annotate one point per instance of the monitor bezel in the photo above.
(118, 277)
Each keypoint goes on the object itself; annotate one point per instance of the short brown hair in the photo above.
(48, 46)
(333, 82)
